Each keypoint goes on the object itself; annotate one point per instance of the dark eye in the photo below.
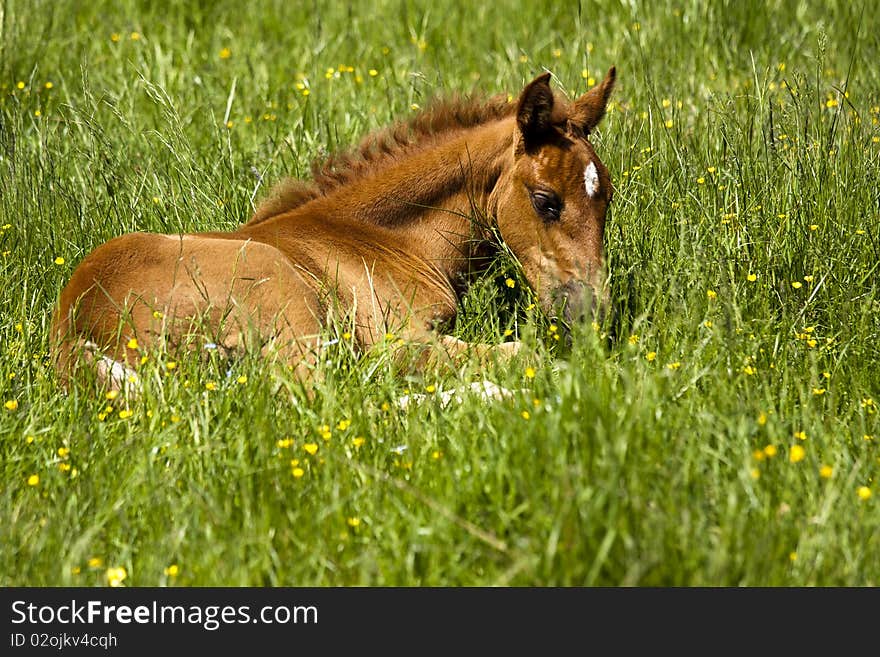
(547, 204)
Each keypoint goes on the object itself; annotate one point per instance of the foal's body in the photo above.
(382, 244)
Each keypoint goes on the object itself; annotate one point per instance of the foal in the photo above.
(383, 238)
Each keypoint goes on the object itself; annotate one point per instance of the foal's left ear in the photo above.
(534, 113)
(589, 109)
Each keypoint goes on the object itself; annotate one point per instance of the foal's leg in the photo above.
(146, 291)
(439, 351)
(448, 351)
(484, 353)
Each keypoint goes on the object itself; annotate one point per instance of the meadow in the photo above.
(719, 429)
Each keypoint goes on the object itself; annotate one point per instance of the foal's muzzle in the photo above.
(577, 301)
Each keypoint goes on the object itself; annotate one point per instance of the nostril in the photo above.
(577, 300)
(570, 299)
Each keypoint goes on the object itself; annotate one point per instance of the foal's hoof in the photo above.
(485, 391)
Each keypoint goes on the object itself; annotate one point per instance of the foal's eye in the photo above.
(547, 205)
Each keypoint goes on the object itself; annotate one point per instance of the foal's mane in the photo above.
(442, 117)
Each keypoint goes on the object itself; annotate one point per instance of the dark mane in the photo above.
(378, 148)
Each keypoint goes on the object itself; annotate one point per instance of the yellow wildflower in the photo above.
(115, 576)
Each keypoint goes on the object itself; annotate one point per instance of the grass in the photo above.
(722, 429)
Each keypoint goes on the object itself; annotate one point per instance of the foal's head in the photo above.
(550, 206)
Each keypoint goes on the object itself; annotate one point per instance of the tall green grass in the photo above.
(720, 429)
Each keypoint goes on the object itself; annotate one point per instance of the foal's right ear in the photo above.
(535, 110)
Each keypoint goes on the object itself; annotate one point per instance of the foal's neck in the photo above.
(428, 203)
(452, 173)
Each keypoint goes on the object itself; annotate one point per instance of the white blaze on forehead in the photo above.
(591, 179)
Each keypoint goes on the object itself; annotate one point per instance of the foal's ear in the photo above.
(534, 111)
(589, 109)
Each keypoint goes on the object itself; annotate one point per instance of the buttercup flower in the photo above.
(115, 576)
